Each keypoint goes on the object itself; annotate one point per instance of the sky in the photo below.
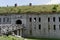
(26, 2)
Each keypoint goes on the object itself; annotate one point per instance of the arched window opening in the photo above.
(18, 22)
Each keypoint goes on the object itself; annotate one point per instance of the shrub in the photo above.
(54, 9)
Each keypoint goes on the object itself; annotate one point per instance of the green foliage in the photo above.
(19, 11)
(56, 5)
(10, 38)
(29, 9)
(16, 38)
(54, 9)
(13, 39)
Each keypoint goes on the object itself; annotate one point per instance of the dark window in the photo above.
(7, 19)
(30, 19)
(39, 19)
(48, 27)
(39, 26)
(30, 32)
(48, 19)
(59, 19)
(15, 32)
(34, 19)
(0, 19)
(54, 27)
(3, 19)
(59, 27)
(0, 29)
(53, 19)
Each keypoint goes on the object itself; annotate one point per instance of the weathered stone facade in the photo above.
(31, 25)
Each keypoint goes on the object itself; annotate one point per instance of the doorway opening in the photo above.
(18, 22)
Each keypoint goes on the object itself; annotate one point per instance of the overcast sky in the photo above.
(26, 2)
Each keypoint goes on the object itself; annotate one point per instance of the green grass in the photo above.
(24, 9)
(43, 39)
(16, 38)
(10, 38)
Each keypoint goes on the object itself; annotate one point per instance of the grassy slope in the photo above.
(15, 38)
(10, 38)
(41, 8)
